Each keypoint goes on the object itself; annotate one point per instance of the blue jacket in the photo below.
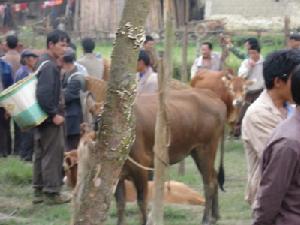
(22, 72)
(6, 74)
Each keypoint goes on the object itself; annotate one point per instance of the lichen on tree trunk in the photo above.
(102, 162)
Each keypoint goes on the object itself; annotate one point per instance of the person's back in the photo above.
(6, 77)
(93, 64)
(12, 56)
(73, 85)
(278, 197)
(5, 81)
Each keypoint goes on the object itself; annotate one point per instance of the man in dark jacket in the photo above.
(49, 152)
(73, 83)
(278, 197)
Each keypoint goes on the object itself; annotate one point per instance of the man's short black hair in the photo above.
(57, 36)
(209, 44)
(295, 84)
(252, 41)
(144, 57)
(88, 45)
(148, 38)
(12, 41)
(295, 36)
(280, 64)
(255, 47)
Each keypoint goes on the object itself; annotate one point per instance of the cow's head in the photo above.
(70, 167)
(237, 87)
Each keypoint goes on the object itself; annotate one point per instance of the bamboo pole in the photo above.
(161, 129)
(184, 73)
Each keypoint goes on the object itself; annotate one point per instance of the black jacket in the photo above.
(73, 111)
(48, 91)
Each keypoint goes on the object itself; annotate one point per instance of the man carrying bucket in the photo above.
(49, 152)
(28, 63)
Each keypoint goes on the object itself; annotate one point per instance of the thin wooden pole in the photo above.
(161, 160)
(287, 24)
(77, 17)
(184, 73)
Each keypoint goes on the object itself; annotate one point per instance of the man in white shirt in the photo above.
(267, 112)
(250, 69)
(208, 60)
(147, 81)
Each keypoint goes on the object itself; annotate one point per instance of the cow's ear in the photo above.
(250, 82)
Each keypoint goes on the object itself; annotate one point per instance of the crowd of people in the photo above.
(61, 78)
(61, 82)
(268, 122)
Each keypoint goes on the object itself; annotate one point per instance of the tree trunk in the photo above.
(100, 164)
(162, 133)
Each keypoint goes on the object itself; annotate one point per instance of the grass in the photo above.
(16, 193)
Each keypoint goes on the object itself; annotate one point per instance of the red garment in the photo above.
(52, 3)
(20, 7)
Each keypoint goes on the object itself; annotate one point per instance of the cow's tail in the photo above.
(221, 173)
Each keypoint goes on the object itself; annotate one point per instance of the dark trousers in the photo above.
(250, 97)
(4, 134)
(26, 144)
(48, 158)
(17, 139)
(73, 142)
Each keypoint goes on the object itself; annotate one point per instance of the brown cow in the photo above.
(196, 119)
(231, 89)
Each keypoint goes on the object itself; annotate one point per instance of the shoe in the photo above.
(56, 198)
(37, 196)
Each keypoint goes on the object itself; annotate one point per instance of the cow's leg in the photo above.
(141, 184)
(121, 202)
(204, 159)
